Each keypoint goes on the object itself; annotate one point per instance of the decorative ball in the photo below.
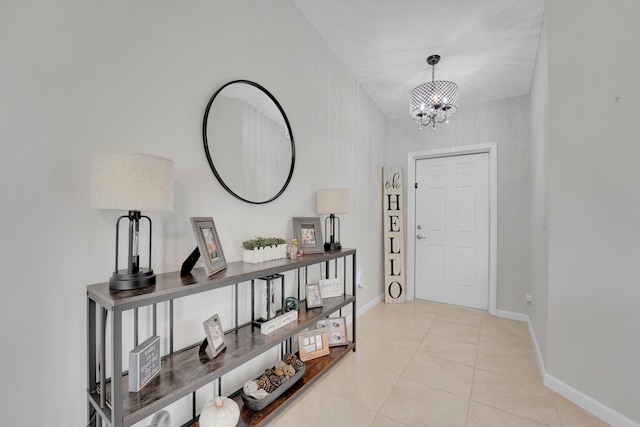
(290, 303)
(276, 380)
(221, 412)
(266, 383)
(289, 371)
(261, 382)
(289, 358)
(298, 364)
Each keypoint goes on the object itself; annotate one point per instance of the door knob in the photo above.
(420, 237)
(419, 227)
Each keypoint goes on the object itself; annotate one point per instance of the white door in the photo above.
(452, 230)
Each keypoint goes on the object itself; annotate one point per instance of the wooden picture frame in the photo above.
(209, 244)
(336, 328)
(313, 295)
(313, 344)
(308, 232)
(215, 336)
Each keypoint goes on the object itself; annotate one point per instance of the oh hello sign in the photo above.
(392, 214)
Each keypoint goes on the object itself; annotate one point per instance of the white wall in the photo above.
(507, 123)
(538, 311)
(80, 76)
(593, 91)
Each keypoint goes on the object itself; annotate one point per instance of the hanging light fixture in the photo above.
(433, 102)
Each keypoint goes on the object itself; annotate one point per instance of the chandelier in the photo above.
(433, 102)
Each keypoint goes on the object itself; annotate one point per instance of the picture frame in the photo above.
(330, 288)
(313, 344)
(336, 328)
(208, 241)
(144, 363)
(313, 295)
(215, 336)
(308, 232)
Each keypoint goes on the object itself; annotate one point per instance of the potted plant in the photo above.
(264, 249)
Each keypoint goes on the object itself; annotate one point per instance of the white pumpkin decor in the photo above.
(220, 412)
(161, 419)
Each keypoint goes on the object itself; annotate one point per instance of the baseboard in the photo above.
(377, 300)
(536, 348)
(511, 315)
(587, 403)
(366, 308)
(525, 318)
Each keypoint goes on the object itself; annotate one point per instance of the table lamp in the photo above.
(332, 201)
(132, 182)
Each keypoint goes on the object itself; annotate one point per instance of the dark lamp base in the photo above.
(332, 246)
(123, 281)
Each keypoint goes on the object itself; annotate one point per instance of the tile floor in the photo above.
(428, 364)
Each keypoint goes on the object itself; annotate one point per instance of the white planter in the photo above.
(255, 256)
(281, 251)
(268, 253)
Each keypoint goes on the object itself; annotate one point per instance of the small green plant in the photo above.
(262, 242)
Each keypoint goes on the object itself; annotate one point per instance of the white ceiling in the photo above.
(488, 47)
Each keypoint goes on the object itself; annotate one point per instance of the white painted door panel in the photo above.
(452, 230)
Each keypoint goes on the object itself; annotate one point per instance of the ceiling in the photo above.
(488, 47)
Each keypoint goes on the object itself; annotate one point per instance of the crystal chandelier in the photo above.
(433, 102)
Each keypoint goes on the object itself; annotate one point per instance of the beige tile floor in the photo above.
(428, 364)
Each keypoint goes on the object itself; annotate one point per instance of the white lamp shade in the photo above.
(332, 201)
(131, 181)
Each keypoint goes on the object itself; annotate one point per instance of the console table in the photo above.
(186, 370)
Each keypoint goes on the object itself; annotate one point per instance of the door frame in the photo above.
(489, 148)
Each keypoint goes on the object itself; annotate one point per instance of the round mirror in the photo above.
(248, 142)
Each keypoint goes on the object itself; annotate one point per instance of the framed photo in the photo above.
(313, 295)
(309, 234)
(208, 244)
(336, 328)
(215, 336)
(313, 344)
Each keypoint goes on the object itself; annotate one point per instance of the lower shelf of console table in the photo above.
(188, 369)
(315, 370)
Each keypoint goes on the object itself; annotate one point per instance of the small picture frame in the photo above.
(309, 234)
(209, 245)
(144, 363)
(336, 328)
(330, 288)
(313, 295)
(313, 344)
(215, 336)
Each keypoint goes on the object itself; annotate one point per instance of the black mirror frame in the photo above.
(208, 154)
